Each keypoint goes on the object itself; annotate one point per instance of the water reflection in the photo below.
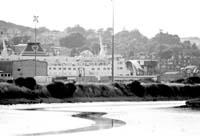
(100, 122)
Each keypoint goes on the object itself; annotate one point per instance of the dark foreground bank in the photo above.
(26, 90)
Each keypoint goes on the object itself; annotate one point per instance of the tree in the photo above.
(42, 30)
(20, 39)
(95, 48)
(186, 44)
(83, 48)
(76, 29)
(194, 46)
(166, 54)
(107, 36)
(74, 52)
(131, 53)
(74, 40)
(128, 40)
(135, 34)
(165, 38)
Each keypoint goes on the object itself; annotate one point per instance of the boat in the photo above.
(84, 67)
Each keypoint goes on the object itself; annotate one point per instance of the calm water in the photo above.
(100, 119)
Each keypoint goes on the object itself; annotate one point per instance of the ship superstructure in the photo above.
(84, 65)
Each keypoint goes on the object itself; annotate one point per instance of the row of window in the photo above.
(5, 74)
(86, 64)
(75, 74)
(54, 68)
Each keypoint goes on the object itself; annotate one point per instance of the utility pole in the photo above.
(113, 38)
(160, 72)
(35, 20)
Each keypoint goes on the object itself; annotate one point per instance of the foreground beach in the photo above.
(100, 119)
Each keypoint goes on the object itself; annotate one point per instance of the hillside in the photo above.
(7, 25)
(192, 40)
(129, 43)
(12, 29)
(44, 35)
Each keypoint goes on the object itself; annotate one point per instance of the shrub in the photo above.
(152, 90)
(79, 91)
(178, 81)
(136, 88)
(117, 91)
(176, 90)
(123, 89)
(95, 90)
(10, 81)
(71, 89)
(165, 90)
(60, 90)
(90, 90)
(191, 91)
(42, 91)
(12, 91)
(189, 80)
(30, 83)
(193, 80)
(107, 91)
(20, 81)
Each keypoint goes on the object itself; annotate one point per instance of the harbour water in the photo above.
(100, 119)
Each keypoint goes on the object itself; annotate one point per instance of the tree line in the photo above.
(127, 43)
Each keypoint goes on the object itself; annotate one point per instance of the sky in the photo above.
(179, 17)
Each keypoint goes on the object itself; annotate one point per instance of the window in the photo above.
(74, 68)
(54, 68)
(59, 68)
(49, 68)
(69, 68)
(93, 68)
(64, 68)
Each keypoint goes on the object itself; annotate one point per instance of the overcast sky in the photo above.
(180, 17)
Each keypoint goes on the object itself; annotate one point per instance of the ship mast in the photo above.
(4, 52)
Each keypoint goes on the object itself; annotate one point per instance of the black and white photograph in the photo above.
(99, 68)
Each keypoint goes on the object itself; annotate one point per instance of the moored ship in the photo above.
(85, 67)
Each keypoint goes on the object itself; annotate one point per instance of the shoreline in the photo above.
(86, 100)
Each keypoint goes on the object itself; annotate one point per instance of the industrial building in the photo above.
(23, 68)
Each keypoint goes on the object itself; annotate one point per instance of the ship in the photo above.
(84, 67)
